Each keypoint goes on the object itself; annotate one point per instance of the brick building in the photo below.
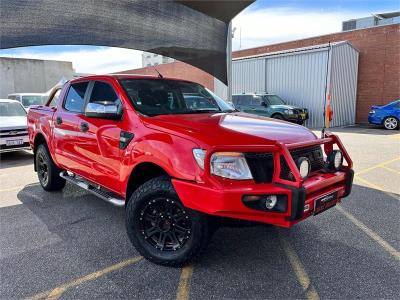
(379, 64)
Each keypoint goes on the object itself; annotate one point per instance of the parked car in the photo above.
(269, 105)
(13, 126)
(387, 115)
(29, 99)
(179, 159)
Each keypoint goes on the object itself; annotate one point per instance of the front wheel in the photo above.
(48, 172)
(391, 123)
(278, 117)
(161, 228)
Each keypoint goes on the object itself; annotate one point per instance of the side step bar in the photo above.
(98, 191)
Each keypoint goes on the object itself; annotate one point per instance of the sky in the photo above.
(264, 22)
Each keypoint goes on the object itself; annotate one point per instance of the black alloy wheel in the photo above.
(161, 228)
(48, 172)
(165, 224)
(42, 169)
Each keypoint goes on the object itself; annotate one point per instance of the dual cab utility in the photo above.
(178, 158)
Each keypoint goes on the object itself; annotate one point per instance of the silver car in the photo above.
(13, 126)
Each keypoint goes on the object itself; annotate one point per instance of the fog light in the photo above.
(270, 201)
(266, 203)
(304, 166)
(335, 160)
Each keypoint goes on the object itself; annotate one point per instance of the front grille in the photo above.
(5, 133)
(261, 166)
(314, 155)
(285, 170)
(299, 111)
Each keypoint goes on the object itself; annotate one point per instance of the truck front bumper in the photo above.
(300, 202)
(297, 199)
(297, 118)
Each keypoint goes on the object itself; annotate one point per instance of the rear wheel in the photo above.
(47, 171)
(161, 228)
(391, 123)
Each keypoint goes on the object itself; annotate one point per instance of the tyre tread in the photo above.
(163, 183)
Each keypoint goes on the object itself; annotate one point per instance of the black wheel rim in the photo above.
(43, 169)
(165, 224)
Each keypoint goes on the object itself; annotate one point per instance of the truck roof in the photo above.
(26, 94)
(127, 76)
(8, 100)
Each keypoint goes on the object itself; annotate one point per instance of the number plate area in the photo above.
(14, 142)
(325, 202)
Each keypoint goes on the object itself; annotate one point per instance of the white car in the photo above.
(13, 126)
(28, 99)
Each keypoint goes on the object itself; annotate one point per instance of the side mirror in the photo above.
(263, 103)
(103, 111)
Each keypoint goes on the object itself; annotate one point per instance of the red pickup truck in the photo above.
(178, 158)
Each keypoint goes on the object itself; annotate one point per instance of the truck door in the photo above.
(67, 135)
(102, 147)
(257, 106)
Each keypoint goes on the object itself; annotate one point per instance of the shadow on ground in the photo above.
(365, 129)
(56, 237)
(15, 159)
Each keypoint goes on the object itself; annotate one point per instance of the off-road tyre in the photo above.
(48, 172)
(158, 196)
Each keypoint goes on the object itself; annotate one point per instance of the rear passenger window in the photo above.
(242, 100)
(76, 97)
(103, 93)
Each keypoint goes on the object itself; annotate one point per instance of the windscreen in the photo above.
(11, 109)
(165, 97)
(274, 100)
(32, 100)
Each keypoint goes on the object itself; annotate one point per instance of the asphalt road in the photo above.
(71, 245)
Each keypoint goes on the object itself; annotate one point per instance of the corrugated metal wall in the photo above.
(248, 76)
(344, 71)
(299, 77)
(300, 80)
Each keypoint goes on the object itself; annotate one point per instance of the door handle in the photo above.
(58, 120)
(84, 127)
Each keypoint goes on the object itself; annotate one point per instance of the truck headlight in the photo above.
(199, 156)
(288, 111)
(335, 160)
(230, 165)
(371, 112)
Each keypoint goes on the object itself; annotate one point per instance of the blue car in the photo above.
(387, 115)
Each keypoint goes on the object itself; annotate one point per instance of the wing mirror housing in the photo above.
(104, 110)
(263, 103)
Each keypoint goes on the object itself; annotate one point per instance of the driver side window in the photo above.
(103, 93)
